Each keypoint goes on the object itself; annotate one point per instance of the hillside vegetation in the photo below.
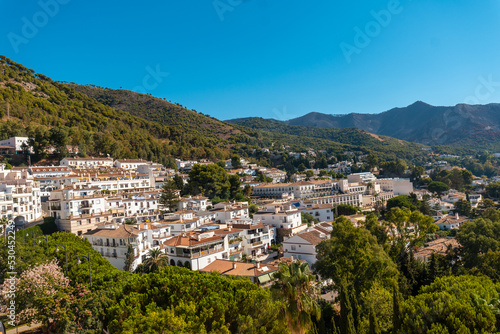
(36, 104)
(125, 124)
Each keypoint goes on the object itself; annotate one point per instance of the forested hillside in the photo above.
(352, 137)
(125, 124)
(51, 112)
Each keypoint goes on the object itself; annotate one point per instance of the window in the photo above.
(294, 247)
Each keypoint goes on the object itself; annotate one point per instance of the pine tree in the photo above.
(169, 198)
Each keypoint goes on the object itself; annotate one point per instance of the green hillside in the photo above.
(32, 104)
(350, 138)
(125, 124)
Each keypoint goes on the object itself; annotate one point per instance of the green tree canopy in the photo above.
(476, 238)
(353, 254)
(438, 187)
(463, 304)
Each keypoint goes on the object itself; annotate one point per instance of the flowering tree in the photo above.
(44, 295)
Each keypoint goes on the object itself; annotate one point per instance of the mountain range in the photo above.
(463, 125)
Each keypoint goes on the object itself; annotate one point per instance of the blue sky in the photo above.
(270, 58)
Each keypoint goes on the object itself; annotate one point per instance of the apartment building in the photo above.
(321, 212)
(195, 203)
(129, 164)
(79, 209)
(227, 211)
(20, 195)
(303, 189)
(112, 241)
(90, 162)
(302, 246)
(16, 144)
(196, 250)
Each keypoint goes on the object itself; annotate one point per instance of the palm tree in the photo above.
(155, 260)
(295, 286)
(4, 221)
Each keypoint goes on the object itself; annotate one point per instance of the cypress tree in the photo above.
(396, 315)
(346, 319)
(129, 258)
(373, 329)
(356, 312)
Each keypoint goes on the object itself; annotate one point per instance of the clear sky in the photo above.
(270, 58)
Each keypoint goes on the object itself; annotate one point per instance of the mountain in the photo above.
(125, 124)
(352, 137)
(470, 126)
(57, 114)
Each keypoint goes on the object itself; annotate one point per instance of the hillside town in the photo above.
(119, 207)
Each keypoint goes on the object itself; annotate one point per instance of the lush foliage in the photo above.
(295, 287)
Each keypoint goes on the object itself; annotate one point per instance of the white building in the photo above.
(196, 250)
(280, 216)
(227, 211)
(112, 241)
(130, 164)
(90, 162)
(20, 195)
(322, 212)
(302, 246)
(195, 203)
(17, 143)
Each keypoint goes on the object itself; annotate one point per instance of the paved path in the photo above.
(22, 329)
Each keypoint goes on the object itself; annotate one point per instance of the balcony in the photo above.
(256, 244)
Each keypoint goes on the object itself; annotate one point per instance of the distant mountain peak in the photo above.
(419, 104)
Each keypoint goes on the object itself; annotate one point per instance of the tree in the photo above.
(438, 187)
(169, 198)
(155, 260)
(396, 316)
(372, 160)
(373, 329)
(463, 207)
(209, 180)
(308, 219)
(345, 210)
(346, 316)
(44, 295)
(455, 304)
(372, 224)
(493, 189)
(295, 288)
(476, 238)
(401, 201)
(129, 258)
(4, 221)
(235, 162)
(354, 256)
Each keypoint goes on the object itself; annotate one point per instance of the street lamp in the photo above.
(65, 254)
(87, 258)
(46, 240)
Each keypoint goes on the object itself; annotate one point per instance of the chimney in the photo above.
(229, 228)
(291, 258)
(456, 215)
(258, 265)
(234, 265)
